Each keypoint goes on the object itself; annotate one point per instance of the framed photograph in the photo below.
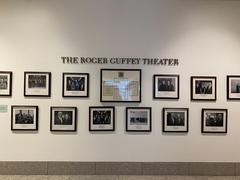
(24, 118)
(175, 120)
(233, 87)
(214, 120)
(120, 85)
(165, 86)
(37, 84)
(138, 119)
(75, 85)
(101, 118)
(63, 119)
(203, 88)
(5, 83)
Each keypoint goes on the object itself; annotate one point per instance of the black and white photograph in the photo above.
(175, 119)
(203, 88)
(37, 84)
(214, 120)
(63, 118)
(138, 119)
(101, 118)
(75, 85)
(24, 118)
(5, 83)
(165, 86)
(233, 87)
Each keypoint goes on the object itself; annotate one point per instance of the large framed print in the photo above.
(214, 120)
(138, 119)
(24, 118)
(5, 83)
(37, 84)
(101, 118)
(203, 88)
(75, 85)
(175, 120)
(120, 85)
(63, 118)
(165, 86)
(233, 87)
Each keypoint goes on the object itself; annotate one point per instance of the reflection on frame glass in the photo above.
(175, 119)
(138, 119)
(214, 120)
(233, 87)
(24, 118)
(37, 84)
(5, 83)
(120, 85)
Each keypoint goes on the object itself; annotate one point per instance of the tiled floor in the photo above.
(119, 177)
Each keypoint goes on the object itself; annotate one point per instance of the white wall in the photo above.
(204, 35)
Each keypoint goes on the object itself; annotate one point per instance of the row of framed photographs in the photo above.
(102, 118)
(120, 85)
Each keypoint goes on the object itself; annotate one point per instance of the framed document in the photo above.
(24, 118)
(214, 120)
(233, 87)
(138, 119)
(37, 84)
(203, 88)
(63, 119)
(165, 86)
(5, 83)
(120, 85)
(175, 120)
(75, 85)
(101, 118)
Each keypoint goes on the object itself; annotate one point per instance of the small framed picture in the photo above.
(233, 87)
(214, 120)
(24, 118)
(37, 84)
(75, 85)
(138, 119)
(203, 88)
(102, 118)
(63, 119)
(175, 120)
(5, 83)
(165, 86)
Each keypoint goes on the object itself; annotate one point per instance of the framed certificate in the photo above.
(120, 85)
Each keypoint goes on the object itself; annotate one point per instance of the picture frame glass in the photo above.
(233, 87)
(5, 83)
(138, 119)
(120, 85)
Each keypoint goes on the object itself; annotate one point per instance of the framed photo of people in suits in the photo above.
(175, 120)
(214, 120)
(165, 86)
(233, 87)
(37, 84)
(138, 119)
(24, 118)
(204, 88)
(75, 85)
(63, 118)
(5, 83)
(101, 118)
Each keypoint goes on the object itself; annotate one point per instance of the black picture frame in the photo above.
(32, 88)
(135, 123)
(203, 88)
(79, 86)
(63, 119)
(215, 121)
(129, 82)
(107, 112)
(233, 87)
(175, 120)
(24, 118)
(5, 83)
(163, 90)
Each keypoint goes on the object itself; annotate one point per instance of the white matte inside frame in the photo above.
(234, 87)
(204, 96)
(101, 127)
